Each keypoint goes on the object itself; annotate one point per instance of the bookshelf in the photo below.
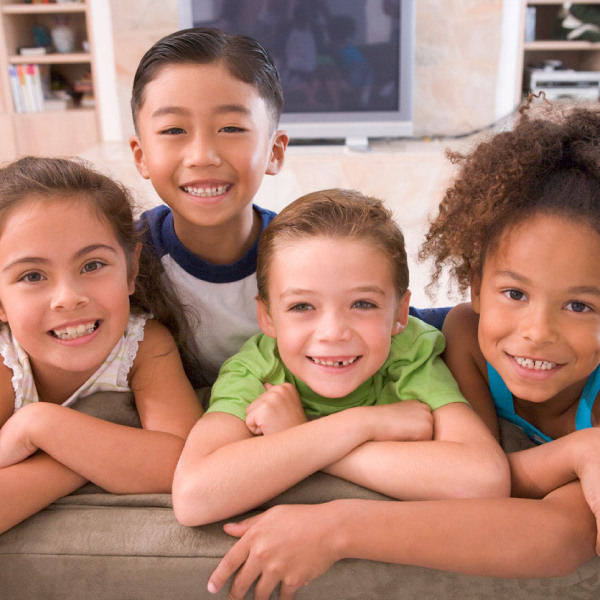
(62, 128)
(540, 46)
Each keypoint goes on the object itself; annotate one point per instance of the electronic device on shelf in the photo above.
(346, 65)
(559, 83)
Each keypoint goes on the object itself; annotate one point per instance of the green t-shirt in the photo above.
(413, 370)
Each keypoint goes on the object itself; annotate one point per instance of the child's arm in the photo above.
(31, 485)
(539, 470)
(462, 461)
(118, 458)
(500, 537)
(34, 483)
(224, 470)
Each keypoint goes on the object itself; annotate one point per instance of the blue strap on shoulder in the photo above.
(583, 417)
(503, 399)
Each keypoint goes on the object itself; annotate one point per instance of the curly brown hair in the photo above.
(548, 162)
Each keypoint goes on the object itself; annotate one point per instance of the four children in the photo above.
(337, 343)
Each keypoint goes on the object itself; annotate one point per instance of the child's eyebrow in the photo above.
(294, 292)
(180, 110)
(585, 289)
(235, 108)
(40, 260)
(375, 289)
(92, 248)
(512, 275)
(362, 289)
(170, 110)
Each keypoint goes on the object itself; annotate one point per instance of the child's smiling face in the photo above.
(206, 139)
(539, 307)
(64, 286)
(333, 308)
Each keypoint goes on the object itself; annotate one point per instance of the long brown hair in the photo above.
(38, 178)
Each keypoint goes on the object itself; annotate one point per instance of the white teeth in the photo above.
(536, 365)
(71, 333)
(333, 363)
(207, 192)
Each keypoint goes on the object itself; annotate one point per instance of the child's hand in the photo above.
(407, 421)
(15, 442)
(277, 409)
(277, 546)
(589, 476)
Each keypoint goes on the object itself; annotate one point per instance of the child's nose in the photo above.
(538, 325)
(333, 327)
(68, 295)
(201, 151)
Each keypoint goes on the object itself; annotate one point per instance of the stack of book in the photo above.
(26, 87)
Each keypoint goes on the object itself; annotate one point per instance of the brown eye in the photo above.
(578, 307)
(32, 277)
(90, 267)
(514, 294)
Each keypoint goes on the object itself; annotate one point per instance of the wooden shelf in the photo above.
(55, 58)
(561, 45)
(577, 55)
(51, 132)
(554, 2)
(43, 9)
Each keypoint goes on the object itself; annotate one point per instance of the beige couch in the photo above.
(95, 545)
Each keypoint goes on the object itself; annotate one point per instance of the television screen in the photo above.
(346, 65)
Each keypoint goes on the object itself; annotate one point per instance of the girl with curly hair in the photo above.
(520, 227)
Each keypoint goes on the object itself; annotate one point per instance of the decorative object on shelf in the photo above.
(41, 36)
(63, 35)
(83, 91)
(579, 22)
(32, 51)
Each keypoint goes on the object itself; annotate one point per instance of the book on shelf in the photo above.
(26, 88)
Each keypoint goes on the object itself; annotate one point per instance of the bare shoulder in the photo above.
(157, 338)
(467, 363)
(460, 331)
(461, 320)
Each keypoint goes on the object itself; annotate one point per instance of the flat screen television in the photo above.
(346, 66)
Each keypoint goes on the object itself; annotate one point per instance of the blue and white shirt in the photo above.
(221, 297)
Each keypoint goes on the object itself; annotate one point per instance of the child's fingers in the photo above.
(239, 529)
(267, 583)
(229, 564)
(268, 385)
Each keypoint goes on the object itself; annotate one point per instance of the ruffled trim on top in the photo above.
(134, 334)
(17, 360)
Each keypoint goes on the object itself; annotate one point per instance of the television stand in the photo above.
(357, 143)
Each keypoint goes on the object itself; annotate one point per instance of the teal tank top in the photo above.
(505, 407)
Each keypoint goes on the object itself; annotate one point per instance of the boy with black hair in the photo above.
(206, 107)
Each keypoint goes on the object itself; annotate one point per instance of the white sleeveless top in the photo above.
(111, 376)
